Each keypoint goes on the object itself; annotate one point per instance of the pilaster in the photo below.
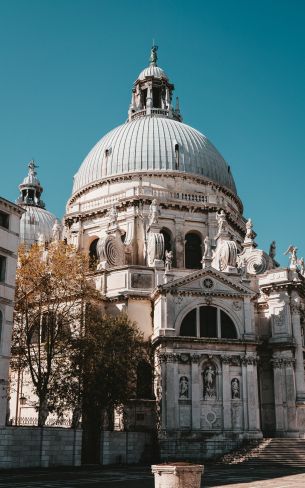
(226, 393)
(195, 358)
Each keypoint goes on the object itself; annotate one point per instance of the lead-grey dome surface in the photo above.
(34, 222)
(150, 143)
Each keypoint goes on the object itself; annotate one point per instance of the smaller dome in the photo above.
(152, 71)
(35, 223)
(31, 180)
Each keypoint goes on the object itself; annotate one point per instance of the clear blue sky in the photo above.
(67, 67)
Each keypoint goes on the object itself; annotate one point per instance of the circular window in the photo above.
(207, 283)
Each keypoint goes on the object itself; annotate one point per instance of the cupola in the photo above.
(152, 93)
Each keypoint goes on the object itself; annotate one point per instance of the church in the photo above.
(154, 204)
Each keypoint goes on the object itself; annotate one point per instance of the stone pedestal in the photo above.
(177, 475)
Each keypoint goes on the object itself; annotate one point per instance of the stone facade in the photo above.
(156, 206)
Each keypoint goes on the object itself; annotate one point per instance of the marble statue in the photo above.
(113, 215)
(235, 389)
(168, 260)
(183, 387)
(272, 249)
(209, 382)
(154, 212)
(56, 231)
(207, 248)
(292, 251)
(222, 221)
(301, 263)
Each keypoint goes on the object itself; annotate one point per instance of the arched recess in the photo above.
(93, 256)
(210, 385)
(168, 241)
(193, 251)
(207, 321)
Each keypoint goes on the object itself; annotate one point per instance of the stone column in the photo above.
(245, 393)
(196, 391)
(171, 391)
(290, 394)
(278, 394)
(163, 373)
(252, 393)
(180, 234)
(226, 393)
(299, 360)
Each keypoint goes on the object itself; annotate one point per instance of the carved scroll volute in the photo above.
(111, 251)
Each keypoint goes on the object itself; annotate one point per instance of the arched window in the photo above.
(167, 239)
(93, 253)
(188, 326)
(209, 322)
(193, 251)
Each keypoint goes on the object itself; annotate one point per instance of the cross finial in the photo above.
(32, 166)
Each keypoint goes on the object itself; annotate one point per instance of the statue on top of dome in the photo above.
(32, 167)
(153, 55)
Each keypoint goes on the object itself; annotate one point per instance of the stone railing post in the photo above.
(177, 475)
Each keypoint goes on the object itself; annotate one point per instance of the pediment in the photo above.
(210, 281)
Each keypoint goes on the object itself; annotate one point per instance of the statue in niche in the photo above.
(168, 260)
(184, 388)
(235, 389)
(209, 383)
(272, 250)
(154, 212)
(222, 221)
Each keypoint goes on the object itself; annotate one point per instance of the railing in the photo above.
(139, 191)
(33, 421)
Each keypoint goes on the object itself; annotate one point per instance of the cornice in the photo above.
(156, 173)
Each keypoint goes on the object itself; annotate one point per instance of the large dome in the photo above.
(151, 143)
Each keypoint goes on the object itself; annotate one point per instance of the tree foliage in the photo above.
(51, 293)
(79, 359)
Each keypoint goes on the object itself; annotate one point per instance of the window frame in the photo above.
(7, 218)
(3, 268)
(218, 323)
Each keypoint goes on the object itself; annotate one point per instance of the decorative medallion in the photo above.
(207, 283)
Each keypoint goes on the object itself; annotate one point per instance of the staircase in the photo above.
(270, 452)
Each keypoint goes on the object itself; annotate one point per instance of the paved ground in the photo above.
(238, 476)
